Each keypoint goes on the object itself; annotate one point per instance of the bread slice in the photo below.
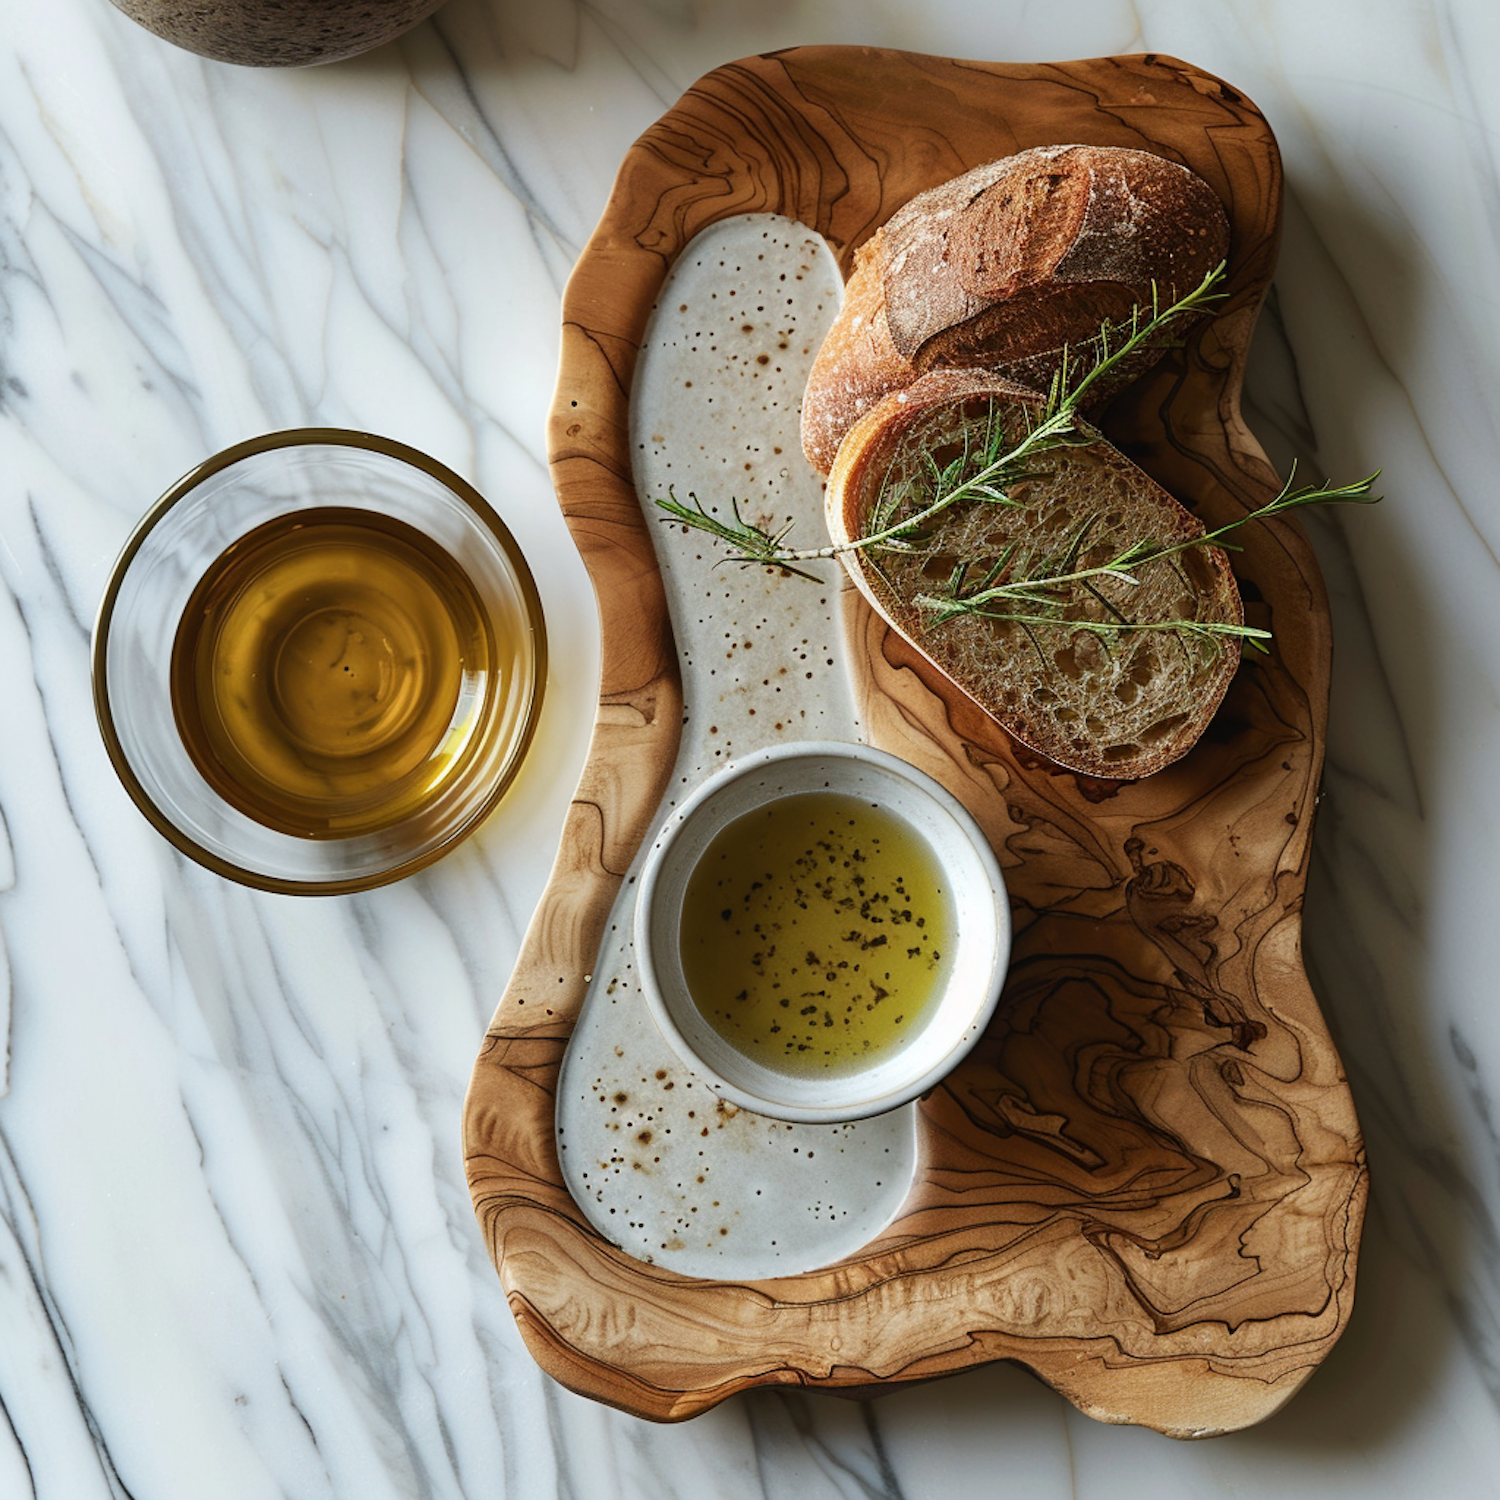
(1004, 267)
(1117, 703)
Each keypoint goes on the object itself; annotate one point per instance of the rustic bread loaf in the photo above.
(1003, 267)
(1114, 701)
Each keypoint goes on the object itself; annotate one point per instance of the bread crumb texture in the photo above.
(1118, 704)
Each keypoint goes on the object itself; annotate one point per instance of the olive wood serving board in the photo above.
(1147, 1182)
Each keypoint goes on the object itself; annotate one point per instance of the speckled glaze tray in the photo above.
(1147, 1183)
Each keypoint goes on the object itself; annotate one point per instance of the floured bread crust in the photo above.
(1003, 267)
(857, 363)
(1119, 705)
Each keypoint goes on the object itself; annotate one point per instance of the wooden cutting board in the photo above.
(1147, 1183)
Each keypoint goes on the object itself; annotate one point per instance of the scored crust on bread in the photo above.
(1007, 265)
(1119, 704)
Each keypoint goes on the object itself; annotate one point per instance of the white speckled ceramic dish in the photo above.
(675, 1178)
(972, 979)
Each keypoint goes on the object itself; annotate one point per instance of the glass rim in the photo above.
(307, 437)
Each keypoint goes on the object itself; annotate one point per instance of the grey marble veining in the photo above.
(237, 1256)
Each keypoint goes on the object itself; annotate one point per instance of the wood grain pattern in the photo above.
(1147, 1183)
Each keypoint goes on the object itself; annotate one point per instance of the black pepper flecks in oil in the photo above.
(816, 933)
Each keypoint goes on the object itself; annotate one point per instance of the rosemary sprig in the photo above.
(753, 545)
(986, 473)
(1049, 591)
(1025, 586)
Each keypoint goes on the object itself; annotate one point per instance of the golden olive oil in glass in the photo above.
(331, 671)
(816, 934)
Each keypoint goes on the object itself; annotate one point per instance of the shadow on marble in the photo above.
(944, 1438)
(1374, 863)
(1365, 934)
(1383, 1375)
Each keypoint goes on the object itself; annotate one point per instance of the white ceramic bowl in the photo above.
(952, 1024)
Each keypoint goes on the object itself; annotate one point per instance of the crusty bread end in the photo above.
(1005, 267)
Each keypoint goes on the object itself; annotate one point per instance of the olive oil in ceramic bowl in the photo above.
(816, 933)
(822, 932)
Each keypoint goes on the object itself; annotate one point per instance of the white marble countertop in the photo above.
(237, 1256)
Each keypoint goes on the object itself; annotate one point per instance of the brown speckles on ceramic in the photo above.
(719, 1191)
(277, 33)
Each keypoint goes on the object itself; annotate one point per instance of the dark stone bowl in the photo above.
(277, 33)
